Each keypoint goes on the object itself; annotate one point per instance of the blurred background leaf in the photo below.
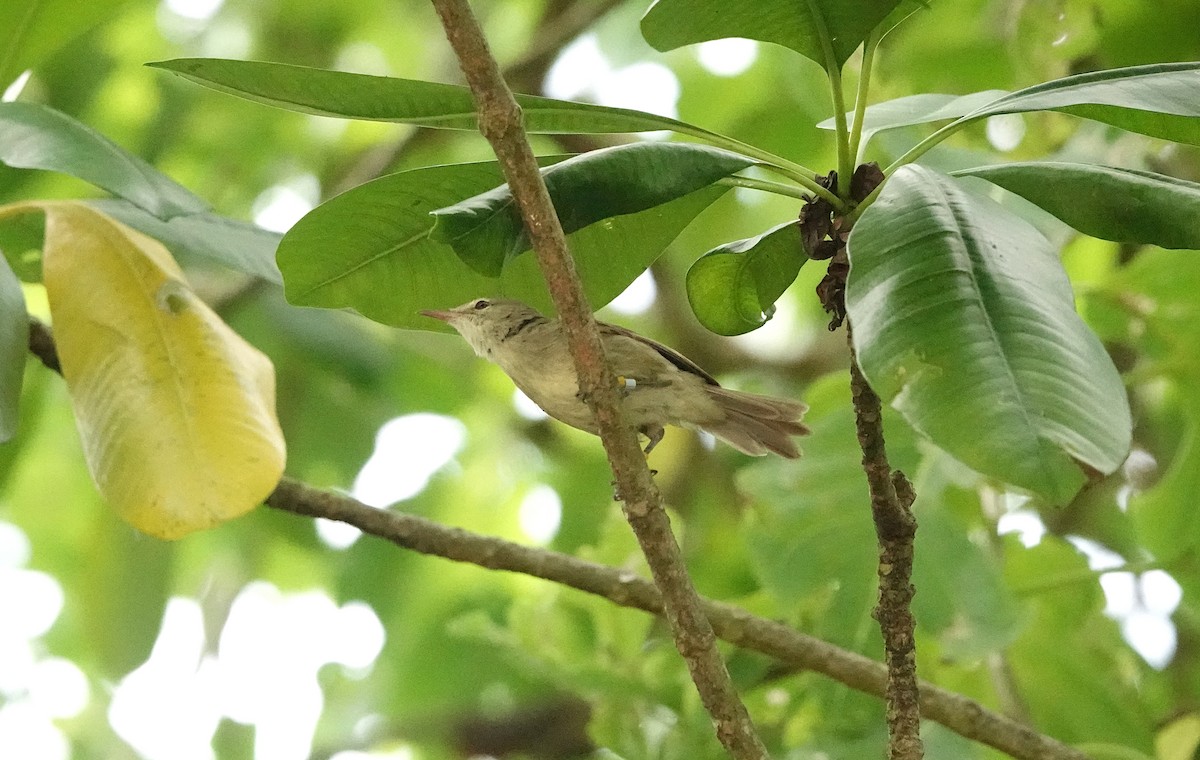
(35, 137)
(14, 343)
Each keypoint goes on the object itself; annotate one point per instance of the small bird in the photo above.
(659, 386)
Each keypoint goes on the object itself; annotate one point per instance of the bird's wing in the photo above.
(670, 354)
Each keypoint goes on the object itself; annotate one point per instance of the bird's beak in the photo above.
(444, 316)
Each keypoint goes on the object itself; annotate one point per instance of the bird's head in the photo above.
(486, 323)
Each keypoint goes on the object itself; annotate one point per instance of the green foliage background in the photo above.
(1019, 628)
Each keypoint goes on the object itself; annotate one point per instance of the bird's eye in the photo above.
(481, 304)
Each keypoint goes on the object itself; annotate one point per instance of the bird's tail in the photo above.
(756, 424)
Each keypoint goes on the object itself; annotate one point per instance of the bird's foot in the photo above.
(654, 434)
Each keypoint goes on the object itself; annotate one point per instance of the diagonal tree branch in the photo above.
(501, 124)
(628, 589)
(733, 624)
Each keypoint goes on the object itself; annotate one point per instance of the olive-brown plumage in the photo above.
(662, 387)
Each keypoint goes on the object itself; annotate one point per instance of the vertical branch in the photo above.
(891, 502)
(500, 122)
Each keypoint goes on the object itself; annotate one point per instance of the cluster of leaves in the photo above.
(960, 307)
(950, 293)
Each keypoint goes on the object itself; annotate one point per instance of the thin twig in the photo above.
(500, 123)
(732, 624)
(891, 501)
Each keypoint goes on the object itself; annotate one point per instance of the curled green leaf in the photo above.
(733, 288)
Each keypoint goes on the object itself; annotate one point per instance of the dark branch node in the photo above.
(824, 237)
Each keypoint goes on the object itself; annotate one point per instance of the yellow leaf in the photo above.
(176, 411)
(1179, 739)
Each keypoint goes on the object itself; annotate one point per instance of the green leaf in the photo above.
(238, 245)
(918, 109)
(733, 288)
(1166, 518)
(14, 343)
(1167, 522)
(801, 26)
(36, 137)
(370, 249)
(1157, 100)
(1122, 205)
(408, 101)
(429, 104)
(1071, 653)
(487, 231)
(811, 534)
(21, 242)
(123, 594)
(964, 321)
(808, 542)
(34, 29)
(970, 610)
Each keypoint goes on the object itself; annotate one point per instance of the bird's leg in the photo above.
(655, 434)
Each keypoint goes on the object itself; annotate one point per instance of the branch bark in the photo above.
(733, 624)
(501, 124)
(891, 508)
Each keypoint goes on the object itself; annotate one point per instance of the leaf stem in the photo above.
(798, 173)
(834, 74)
(860, 98)
(912, 155)
(767, 186)
(929, 143)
